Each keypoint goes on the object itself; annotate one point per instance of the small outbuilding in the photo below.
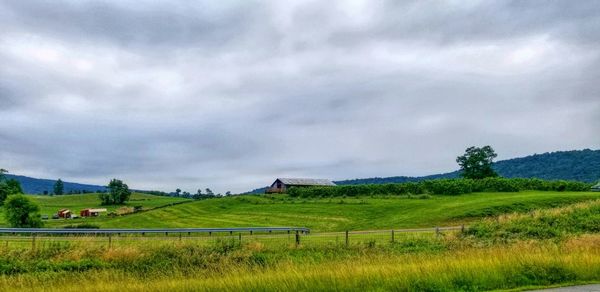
(64, 213)
(91, 212)
(596, 188)
(280, 185)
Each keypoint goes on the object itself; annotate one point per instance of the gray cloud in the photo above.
(229, 96)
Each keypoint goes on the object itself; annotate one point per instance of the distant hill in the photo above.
(38, 186)
(580, 165)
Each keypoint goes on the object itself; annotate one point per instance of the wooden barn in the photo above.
(280, 185)
(64, 213)
(90, 212)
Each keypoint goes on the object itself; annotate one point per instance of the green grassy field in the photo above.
(51, 204)
(319, 214)
(479, 260)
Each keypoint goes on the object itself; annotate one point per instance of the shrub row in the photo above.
(442, 187)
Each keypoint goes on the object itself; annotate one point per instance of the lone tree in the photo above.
(59, 187)
(118, 193)
(21, 212)
(476, 163)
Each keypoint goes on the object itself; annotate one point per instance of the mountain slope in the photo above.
(580, 165)
(39, 186)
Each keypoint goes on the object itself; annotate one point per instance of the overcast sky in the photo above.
(231, 94)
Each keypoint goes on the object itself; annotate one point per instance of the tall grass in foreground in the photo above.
(525, 263)
(543, 248)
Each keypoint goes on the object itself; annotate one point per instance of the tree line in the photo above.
(442, 187)
(477, 176)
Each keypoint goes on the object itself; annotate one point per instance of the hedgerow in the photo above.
(442, 187)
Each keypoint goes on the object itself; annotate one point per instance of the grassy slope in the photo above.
(451, 262)
(51, 204)
(435, 263)
(353, 214)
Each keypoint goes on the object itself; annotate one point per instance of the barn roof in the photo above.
(596, 187)
(95, 210)
(306, 182)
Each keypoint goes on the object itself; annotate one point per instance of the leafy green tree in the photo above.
(59, 187)
(118, 193)
(4, 189)
(21, 212)
(476, 163)
(4, 192)
(14, 186)
(8, 187)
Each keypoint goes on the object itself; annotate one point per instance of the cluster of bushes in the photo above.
(442, 187)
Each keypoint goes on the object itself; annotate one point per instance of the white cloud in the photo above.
(230, 95)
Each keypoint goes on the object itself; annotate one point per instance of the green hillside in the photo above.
(320, 214)
(578, 165)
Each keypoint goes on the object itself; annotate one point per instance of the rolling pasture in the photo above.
(51, 204)
(479, 259)
(318, 214)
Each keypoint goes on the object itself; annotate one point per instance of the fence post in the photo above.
(33, 241)
(179, 236)
(462, 228)
(109, 240)
(297, 238)
(347, 239)
(240, 238)
(393, 239)
(437, 232)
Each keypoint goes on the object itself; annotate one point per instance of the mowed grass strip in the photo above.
(319, 214)
(339, 214)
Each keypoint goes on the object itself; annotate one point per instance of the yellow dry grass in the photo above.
(469, 268)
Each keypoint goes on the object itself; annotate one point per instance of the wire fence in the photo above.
(283, 237)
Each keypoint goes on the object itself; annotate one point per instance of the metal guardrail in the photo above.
(303, 230)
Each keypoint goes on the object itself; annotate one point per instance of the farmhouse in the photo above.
(89, 212)
(596, 188)
(282, 184)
